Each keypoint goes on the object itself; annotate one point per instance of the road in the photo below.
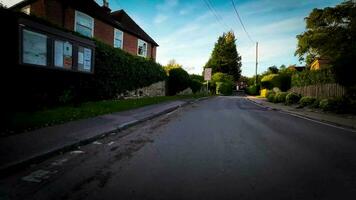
(220, 148)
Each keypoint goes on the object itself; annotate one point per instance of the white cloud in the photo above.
(160, 18)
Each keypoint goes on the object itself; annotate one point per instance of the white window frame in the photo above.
(138, 46)
(122, 38)
(83, 14)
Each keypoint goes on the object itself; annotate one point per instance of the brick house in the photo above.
(92, 20)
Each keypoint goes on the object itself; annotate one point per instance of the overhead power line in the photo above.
(242, 24)
(215, 13)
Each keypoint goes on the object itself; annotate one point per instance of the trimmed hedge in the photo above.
(280, 97)
(195, 85)
(178, 80)
(281, 81)
(117, 71)
(306, 101)
(292, 98)
(224, 88)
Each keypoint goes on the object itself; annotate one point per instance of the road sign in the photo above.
(207, 74)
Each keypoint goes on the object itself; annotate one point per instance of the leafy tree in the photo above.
(224, 57)
(172, 64)
(330, 33)
(273, 69)
(177, 81)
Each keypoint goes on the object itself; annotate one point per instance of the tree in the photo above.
(177, 81)
(224, 57)
(273, 70)
(330, 33)
(172, 64)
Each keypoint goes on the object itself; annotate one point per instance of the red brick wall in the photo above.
(38, 8)
(154, 53)
(104, 32)
(130, 43)
(54, 12)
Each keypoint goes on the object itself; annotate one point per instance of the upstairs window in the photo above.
(118, 38)
(84, 24)
(141, 48)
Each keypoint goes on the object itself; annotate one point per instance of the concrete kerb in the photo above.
(295, 114)
(12, 167)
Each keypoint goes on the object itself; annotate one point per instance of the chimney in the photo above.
(106, 6)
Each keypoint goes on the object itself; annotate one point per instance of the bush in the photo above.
(195, 85)
(280, 97)
(306, 101)
(270, 96)
(117, 71)
(270, 81)
(178, 80)
(253, 90)
(224, 88)
(326, 104)
(292, 98)
(313, 77)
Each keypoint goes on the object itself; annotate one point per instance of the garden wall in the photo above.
(328, 90)
(154, 90)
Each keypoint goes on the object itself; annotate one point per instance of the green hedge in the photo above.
(224, 88)
(117, 71)
(312, 77)
(292, 98)
(253, 90)
(178, 80)
(281, 81)
(307, 101)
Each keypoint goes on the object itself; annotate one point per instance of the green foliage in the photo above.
(225, 58)
(330, 33)
(312, 77)
(196, 77)
(280, 97)
(270, 95)
(172, 64)
(273, 69)
(292, 98)
(253, 90)
(178, 80)
(270, 81)
(224, 88)
(306, 101)
(117, 71)
(195, 85)
(326, 104)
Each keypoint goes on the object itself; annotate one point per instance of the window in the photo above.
(62, 54)
(118, 38)
(26, 9)
(34, 49)
(84, 59)
(141, 48)
(84, 24)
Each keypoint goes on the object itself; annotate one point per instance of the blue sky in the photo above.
(186, 30)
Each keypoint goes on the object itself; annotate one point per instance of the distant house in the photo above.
(320, 63)
(92, 20)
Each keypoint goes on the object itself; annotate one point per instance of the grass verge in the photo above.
(27, 121)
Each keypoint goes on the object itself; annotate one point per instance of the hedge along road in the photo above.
(221, 148)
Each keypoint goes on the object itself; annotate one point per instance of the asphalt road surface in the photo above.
(220, 148)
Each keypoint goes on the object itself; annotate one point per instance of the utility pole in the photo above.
(256, 62)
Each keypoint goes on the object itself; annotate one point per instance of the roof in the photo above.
(128, 23)
(118, 19)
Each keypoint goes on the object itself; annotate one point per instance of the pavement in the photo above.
(342, 120)
(20, 150)
(220, 148)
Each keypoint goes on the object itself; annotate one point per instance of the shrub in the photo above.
(292, 98)
(221, 77)
(224, 88)
(306, 101)
(270, 81)
(280, 97)
(326, 104)
(178, 80)
(195, 85)
(312, 77)
(270, 96)
(253, 90)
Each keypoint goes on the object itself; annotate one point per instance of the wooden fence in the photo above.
(329, 90)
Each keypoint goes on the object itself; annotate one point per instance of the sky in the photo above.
(186, 30)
